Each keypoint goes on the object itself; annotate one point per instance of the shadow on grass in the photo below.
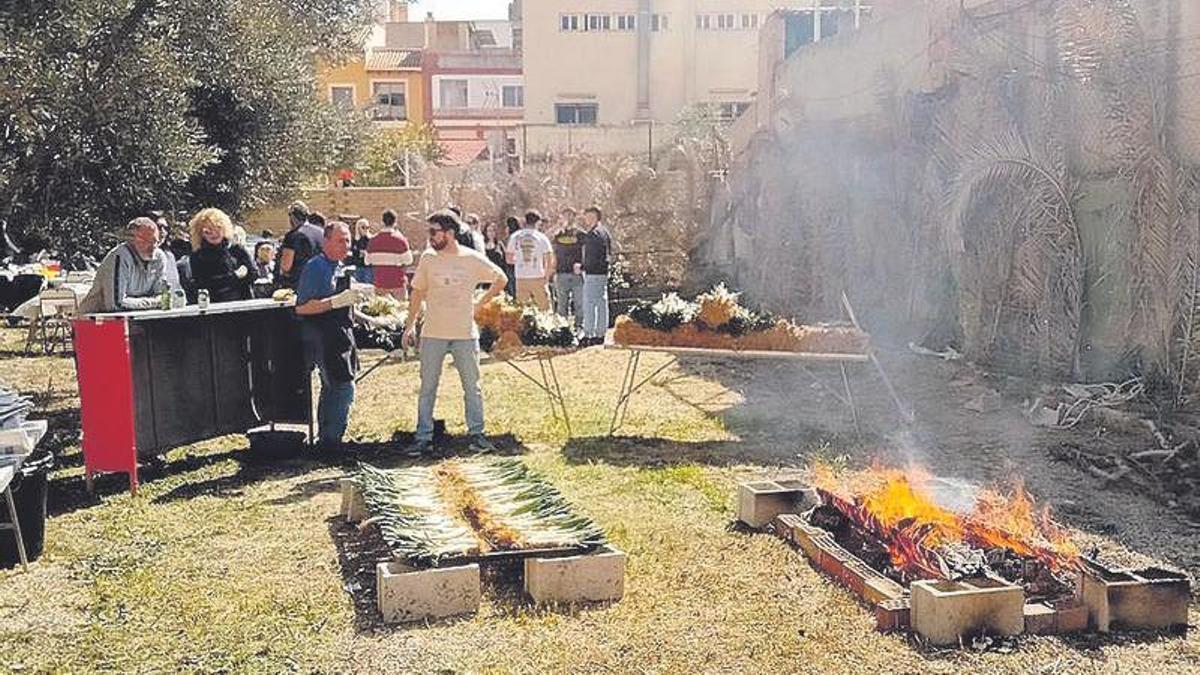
(645, 452)
(1091, 644)
(387, 454)
(68, 494)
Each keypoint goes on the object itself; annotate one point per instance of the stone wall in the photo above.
(349, 204)
(1015, 178)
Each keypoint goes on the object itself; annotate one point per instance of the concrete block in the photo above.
(1148, 599)
(1071, 616)
(761, 501)
(893, 615)
(406, 593)
(878, 588)
(353, 507)
(594, 577)
(1040, 619)
(786, 525)
(945, 611)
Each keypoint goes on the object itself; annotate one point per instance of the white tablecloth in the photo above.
(31, 309)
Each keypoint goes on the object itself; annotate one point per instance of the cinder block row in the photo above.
(406, 593)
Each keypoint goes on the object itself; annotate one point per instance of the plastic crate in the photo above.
(23, 439)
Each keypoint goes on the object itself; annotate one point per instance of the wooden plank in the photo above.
(746, 354)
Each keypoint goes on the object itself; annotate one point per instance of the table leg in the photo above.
(850, 398)
(562, 401)
(630, 386)
(16, 526)
(905, 413)
(548, 384)
(623, 396)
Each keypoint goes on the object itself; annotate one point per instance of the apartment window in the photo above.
(570, 22)
(804, 27)
(575, 113)
(598, 22)
(389, 100)
(453, 93)
(512, 96)
(342, 95)
(626, 22)
(730, 111)
(703, 21)
(725, 22)
(658, 22)
(749, 21)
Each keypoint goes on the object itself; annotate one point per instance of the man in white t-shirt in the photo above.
(443, 291)
(532, 257)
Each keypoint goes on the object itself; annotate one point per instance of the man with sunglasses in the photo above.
(443, 291)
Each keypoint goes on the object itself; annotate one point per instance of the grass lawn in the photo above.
(224, 565)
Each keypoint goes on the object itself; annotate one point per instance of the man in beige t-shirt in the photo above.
(532, 256)
(443, 291)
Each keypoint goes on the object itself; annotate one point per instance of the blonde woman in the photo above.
(217, 265)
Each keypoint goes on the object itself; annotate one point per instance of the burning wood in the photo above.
(1001, 532)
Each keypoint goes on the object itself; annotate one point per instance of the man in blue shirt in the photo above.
(324, 302)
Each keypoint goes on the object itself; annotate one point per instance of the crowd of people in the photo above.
(561, 266)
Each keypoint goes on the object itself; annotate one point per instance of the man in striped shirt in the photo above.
(389, 256)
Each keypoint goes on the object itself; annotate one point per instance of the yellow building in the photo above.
(388, 81)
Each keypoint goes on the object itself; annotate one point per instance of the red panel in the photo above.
(102, 361)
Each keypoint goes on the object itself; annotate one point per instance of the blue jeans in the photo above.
(333, 407)
(595, 305)
(466, 362)
(568, 296)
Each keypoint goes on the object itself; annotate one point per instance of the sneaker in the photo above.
(480, 444)
(419, 448)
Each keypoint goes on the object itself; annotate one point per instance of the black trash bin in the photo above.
(29, 496)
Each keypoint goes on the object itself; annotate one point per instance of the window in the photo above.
(389, 100)
(575, 113)
(342, 95)
(725, 22)
(626, 22)
(658, 22)
(512, 96)
(453, 93)
(749, 21)
(569, 22)
(703, 21)
(731, 111)
(596, 22)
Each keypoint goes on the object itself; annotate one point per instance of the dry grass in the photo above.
(220, 565)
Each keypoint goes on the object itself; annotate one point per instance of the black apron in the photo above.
(329, 337)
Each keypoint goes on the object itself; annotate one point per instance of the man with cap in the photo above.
(443, 291)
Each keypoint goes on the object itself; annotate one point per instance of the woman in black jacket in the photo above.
(218, 265)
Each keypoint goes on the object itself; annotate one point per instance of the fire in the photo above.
(1014, 521)
(897, 506)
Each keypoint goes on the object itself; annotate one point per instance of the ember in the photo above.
(1000, 532)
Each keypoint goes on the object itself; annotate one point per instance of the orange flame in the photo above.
(900, 501)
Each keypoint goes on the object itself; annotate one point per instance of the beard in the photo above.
(438, 244)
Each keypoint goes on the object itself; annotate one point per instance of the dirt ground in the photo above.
(225, 564)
